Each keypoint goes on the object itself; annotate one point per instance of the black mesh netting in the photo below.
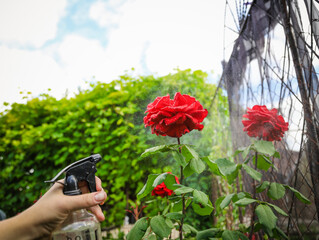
(274, 62)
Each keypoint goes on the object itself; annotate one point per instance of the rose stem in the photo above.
(183, 197)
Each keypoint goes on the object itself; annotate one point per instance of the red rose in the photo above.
(176, 117)
(265, 124)
(162, 190)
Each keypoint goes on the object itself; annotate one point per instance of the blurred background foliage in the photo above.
(39, 138)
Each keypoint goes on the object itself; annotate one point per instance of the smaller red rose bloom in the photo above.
(265, 124)
(175, 117)
(162, 191)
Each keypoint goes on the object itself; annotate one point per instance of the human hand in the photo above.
(58, 206)
(42, 218)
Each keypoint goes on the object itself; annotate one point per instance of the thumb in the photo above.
(86, 200)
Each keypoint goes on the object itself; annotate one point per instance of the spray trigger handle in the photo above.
(81, 170)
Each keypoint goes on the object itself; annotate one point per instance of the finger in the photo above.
(84, 200)
(97, 211)
(98, 183)
(84, 187)
(56, 187)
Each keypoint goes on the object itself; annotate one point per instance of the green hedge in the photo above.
(39, 138)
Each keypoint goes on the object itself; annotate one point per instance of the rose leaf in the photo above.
(209, 233)
(266, 217)
(245, 201)
(261, 187)
(299, 195)
(148, 187)
(203, 209)
(276, 191)
(252, 172)
(160, 178)
(160, 227)
(226, 201)
(138, 230)
(265, 147)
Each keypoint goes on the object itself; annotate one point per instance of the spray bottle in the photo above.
(80, 224)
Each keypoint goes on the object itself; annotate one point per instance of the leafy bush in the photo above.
(39, 138)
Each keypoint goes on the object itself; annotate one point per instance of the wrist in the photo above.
(30, 227)
(19, 227)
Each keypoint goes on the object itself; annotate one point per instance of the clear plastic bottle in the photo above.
(80, 225)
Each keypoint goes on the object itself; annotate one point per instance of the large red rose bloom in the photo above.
(265, 124)
(162, 191)
(175, 117)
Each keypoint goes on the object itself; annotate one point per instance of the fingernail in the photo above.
(99, 197)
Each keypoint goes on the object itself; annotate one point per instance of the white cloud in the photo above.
(180, 33)
(32, 71)
(81, 58)
(151, 36)
(30, 23)
(106, 14)
(64, 66)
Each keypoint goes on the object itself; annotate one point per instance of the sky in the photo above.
(62, 45)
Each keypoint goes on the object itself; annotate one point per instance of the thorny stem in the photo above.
(183, 197)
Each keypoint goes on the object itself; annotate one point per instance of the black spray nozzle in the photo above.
(81, 170)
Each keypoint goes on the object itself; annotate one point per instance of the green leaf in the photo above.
(242, 236)
(150, 237)
(177, 216)
(203, 209)
(183, 190)
(166, 209)
(217, 204)
(138, 230)
(178, 206)
(252, 172)
(277, 155)
(180, 159)
(160, 227)
(276, 191)
(189, 153)
(189, 229)
(245, 201)
(230, 235)
(240, 195)
(266, 216)
(157, 149)
(228, 169)
(153, 150)
(148, 187)
(279, 234)
(264, 147)
(188, 171)
(246, 151)
(196, 163)
(170, 182)
(225, 166)
(209, 233)
(263, 163)
(200, 197)
(299, 195)
(278, 209)
(160, 178)
(239, 150)
(213, 166)
(226, 201)
(261, 187)
(169, 223)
